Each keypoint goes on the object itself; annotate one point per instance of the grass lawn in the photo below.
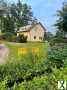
(27, 53)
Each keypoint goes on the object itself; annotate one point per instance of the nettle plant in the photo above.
(57, 56)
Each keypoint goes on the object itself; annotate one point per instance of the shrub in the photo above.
(57, 56)
(57, 40)
(9, 36)
(22, 38)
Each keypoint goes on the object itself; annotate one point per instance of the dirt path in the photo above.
(4, 51)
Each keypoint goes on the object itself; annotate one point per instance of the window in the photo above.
(34, 37)
(40, 38)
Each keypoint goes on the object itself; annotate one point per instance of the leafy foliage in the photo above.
(48, 36)
(62, 22)
(57, 40)
(8, 25)
(9, 36)
(38, 76)
(22, 38)
(58, 56)
(21, 13)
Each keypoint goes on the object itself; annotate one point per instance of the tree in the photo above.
(8, 24)
(62, 21)
(48, 36)
(17, 15)
(3, 6)
(21, 14)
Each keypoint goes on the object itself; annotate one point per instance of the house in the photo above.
(34, 32)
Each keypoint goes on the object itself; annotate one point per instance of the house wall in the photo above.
(36, 34)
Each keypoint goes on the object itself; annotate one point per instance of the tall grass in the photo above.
(27, 53)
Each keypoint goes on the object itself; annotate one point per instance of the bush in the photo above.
(57, 40)
(44, 82)
(57, 56)
(9, 36)
(22, 38)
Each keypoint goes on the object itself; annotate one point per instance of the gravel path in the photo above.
(4, 51)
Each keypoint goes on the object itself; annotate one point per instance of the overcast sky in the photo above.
(45, 11)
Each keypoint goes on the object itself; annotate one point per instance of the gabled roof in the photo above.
(42, 26)
(25, 28)
(29, 27)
